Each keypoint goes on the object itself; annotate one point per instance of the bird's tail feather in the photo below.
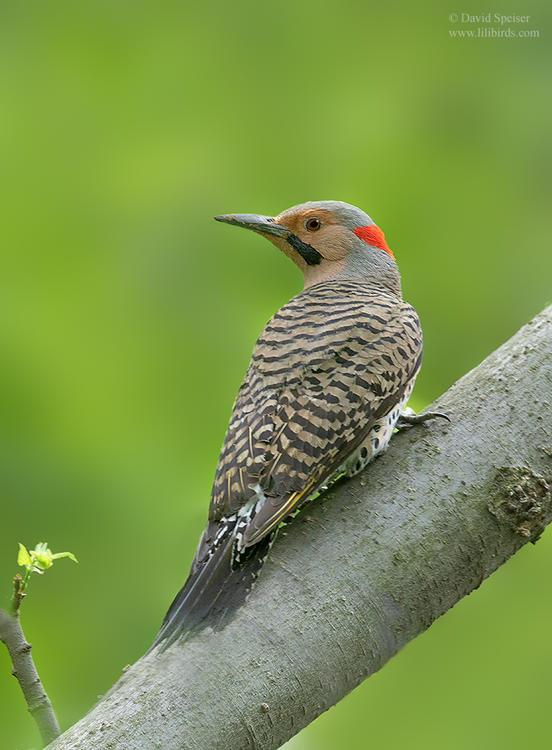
(214, 590)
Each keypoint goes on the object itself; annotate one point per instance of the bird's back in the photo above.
(329, 363)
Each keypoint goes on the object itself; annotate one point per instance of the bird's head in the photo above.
(327, 240)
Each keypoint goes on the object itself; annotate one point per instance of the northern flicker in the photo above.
(328, 379)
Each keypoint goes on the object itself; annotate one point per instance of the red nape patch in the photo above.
(373, 236)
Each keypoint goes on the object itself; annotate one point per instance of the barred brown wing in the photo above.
(330, 362)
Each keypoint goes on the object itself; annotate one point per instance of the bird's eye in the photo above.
(312, 224)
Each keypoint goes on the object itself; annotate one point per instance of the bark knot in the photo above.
(521, 500)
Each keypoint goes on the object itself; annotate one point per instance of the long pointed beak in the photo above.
(261, 224)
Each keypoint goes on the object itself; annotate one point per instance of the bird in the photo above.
(327, 384)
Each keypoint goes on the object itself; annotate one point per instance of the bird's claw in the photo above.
(408, 418)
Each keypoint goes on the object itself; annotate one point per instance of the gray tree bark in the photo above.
(359, 573)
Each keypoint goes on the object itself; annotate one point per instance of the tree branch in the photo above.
(24, 670)
(366, 568)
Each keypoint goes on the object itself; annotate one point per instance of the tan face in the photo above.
(325, 240)
(318, 228)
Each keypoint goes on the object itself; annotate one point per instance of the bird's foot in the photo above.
(409, 418)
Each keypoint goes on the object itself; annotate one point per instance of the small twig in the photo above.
(24, 669)
(37, 560)
(18, 593)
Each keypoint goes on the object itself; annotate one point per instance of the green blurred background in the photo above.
(128, 315)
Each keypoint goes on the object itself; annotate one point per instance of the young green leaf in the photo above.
(70, 555)
(23, 557)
